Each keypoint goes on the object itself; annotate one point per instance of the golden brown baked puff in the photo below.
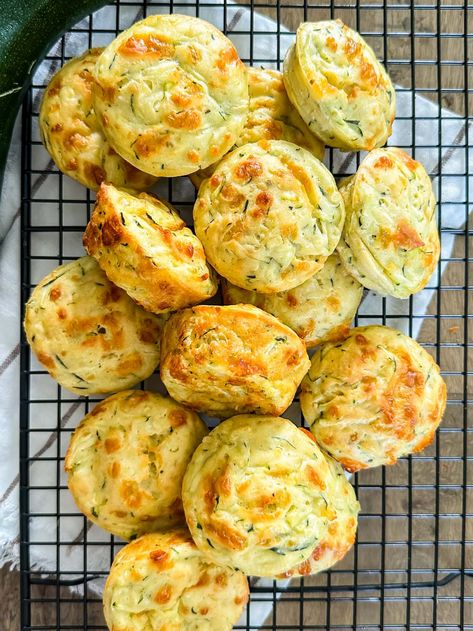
(145, 248)
(373, 397)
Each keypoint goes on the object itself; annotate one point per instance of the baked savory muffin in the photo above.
(161, 582)
(145, 248)
(256, 495)
(72, 134)
(319, 310)
(341, 532)
(91, 337)
(126, 461)
(390, 241)
(271, 117)
(224, 360)
(339, 87)
(373, 398)
(172, 94)
(269, 216)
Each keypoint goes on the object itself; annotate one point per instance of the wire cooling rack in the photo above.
(411, 567)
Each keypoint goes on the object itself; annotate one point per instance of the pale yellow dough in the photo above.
(338, 86)
(73, 135)
(319, 310)
(161, 582)
(269, 216)
(373, 398)
(390, 240)
(91, 337)
(171, 94)
(271, 117)
(225, 360)
(145, 248)
(257, 495)
(341, 533)
(126, 461)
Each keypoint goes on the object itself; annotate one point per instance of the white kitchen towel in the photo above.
(86, 548)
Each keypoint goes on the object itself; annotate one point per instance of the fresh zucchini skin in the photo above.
(28, 29)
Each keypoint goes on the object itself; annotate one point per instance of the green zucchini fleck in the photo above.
(356, 125)
(59, 360)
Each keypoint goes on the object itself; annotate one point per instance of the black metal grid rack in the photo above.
(412, 565)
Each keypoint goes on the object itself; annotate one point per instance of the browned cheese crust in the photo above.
(224, 360)
(145, 248)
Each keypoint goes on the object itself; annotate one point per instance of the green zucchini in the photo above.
(28, 29)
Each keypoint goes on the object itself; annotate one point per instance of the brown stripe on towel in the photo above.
(80, 536)
(52, 437)
(235, 19)
(9, 359)
(450, 151)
